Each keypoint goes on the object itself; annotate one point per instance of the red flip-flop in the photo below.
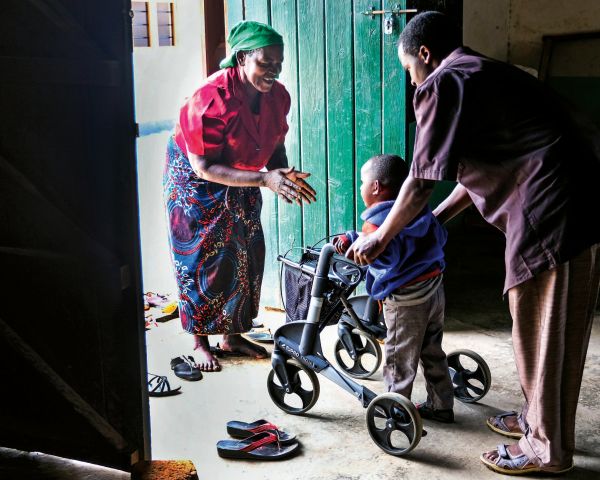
(262, 446)
(239, 429)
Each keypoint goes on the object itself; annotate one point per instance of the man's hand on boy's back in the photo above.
(366, 248)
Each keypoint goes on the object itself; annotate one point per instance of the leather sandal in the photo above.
(498, 425)
(159, 386)
(185, 367)
(508, 464)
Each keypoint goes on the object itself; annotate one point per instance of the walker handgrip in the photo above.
(322, 271)
(310, 331)
(300, 266)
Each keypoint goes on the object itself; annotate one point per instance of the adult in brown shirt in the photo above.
(530, 167)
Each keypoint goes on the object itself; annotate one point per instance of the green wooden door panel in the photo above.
(367, 88)
(235, 12)
(258, 10)
(284, 20)
(348, 96)
(340, 118)
(311, 69)
(394, 86)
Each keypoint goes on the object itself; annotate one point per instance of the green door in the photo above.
(348, 103)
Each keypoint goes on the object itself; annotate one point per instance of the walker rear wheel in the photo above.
(304, 389)
(368, 355)
(470, 375)
(394, 423)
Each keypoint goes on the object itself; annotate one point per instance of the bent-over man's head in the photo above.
(426, 40)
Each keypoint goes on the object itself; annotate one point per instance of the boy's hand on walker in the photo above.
(366, 249)
(341, 244)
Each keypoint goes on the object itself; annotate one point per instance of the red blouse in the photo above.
(217, 122)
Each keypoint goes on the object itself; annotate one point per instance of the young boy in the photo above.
(407, 276)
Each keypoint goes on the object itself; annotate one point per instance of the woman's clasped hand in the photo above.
(289, 184)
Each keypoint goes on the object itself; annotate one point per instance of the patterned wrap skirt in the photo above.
(217, 248)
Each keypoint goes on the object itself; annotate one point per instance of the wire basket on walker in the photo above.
(297, 357)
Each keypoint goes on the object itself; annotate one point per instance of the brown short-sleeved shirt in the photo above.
(530, 167)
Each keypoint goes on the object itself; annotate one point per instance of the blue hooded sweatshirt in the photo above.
(414, 252)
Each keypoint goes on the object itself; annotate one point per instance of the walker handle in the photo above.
(321, 278)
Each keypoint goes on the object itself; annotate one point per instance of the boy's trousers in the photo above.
(415, 333)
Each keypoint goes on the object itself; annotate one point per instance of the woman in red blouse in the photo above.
(229, 142)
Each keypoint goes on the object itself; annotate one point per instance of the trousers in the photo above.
(414, 335)
(552, 320)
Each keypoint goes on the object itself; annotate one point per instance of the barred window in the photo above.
(166, 24)
(140, 24)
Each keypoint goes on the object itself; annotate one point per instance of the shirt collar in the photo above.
(453, 55)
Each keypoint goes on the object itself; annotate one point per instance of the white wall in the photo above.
(164, 77)
(512, 30)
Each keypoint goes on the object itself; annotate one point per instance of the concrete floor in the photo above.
(334, 437)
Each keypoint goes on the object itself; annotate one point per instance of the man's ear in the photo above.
(425, 54)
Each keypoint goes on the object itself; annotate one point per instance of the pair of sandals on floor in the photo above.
(507, 463)
(183, 367)
(259, 440)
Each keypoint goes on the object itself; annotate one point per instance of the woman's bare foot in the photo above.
(205, 360)
(237, 343)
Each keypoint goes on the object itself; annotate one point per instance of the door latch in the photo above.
(394, 11)
(389, 19)
(388, 24)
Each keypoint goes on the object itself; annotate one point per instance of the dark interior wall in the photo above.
(69, 248)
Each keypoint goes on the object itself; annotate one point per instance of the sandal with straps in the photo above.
(262, 446)
(239, 429)
(185, 367)
(508, 464)
(498, 425)
(159, 386)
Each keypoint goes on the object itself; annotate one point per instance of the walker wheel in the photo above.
(368, 355)
(394, 423)
(304, 385)
(470, 375)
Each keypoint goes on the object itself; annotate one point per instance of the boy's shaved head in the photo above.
(389, 170)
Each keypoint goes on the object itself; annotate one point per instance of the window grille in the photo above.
(166, 24)
(140, 24)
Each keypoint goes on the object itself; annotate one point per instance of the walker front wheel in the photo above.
(304, 389)
(470, 375)
(368, 355)
(394, 423)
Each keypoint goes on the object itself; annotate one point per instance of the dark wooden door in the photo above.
(71, 319)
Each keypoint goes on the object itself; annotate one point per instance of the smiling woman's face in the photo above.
(262, 66)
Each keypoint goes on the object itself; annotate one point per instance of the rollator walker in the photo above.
(393, 422)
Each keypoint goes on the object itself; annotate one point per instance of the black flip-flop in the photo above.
(262, 446)
(239, 429)
(219, 352)
(185, 367)
(262, 337)
(159, 386)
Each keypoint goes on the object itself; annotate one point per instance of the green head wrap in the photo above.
(248, 35)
